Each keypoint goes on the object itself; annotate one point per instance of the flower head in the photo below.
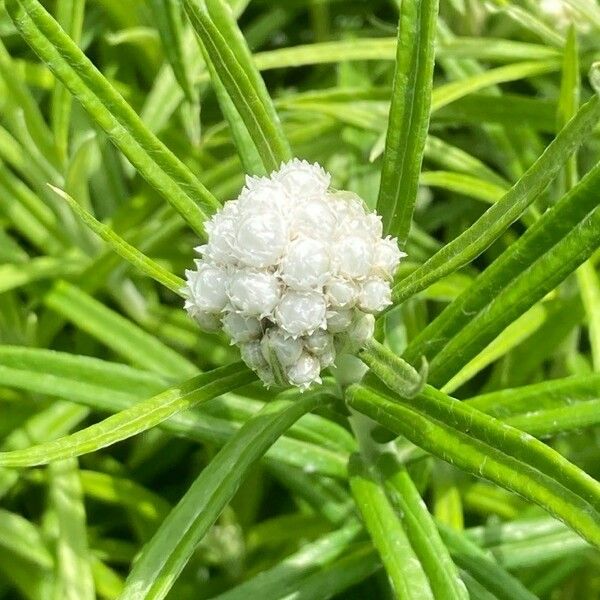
(293, 273)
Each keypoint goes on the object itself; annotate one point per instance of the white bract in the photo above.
(293, 272)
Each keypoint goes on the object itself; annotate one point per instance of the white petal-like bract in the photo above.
(301, 313)
(254, 293)
(293, 272)
(306, 264)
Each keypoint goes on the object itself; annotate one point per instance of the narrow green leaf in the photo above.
(117, 332)
(355, 566)
(109, 584)
(29, 215)
(225, 48)
(282, 579)
(530, 286)
(125, 493)
(461, 183)
(539, 239)
(22, 106)
(544, 423)
(487, 448)
(132, 255)
(569, 98)
(547, 395)
(112, 387)
(484, 570)
(44, 267)
(168, 551)
(422, 532)
(514, 334)
(408, 117)
(406, 380)
(489, 49)
(385, 528)
(589, 284)
(169, 22)
(74, 579)
(21, 538)
(155, 162)
(69, 14)
(472, 422)
(539, 551)
(525, 19)
(498, 217)
(477, 109)
(139, 417)
(449, 92)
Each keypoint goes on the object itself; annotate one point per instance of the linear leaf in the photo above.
(43, 267)
(497, 50)
(530, 286)
(421, 530)
(169, 23)
(551, 394)
(475, 423)
(74, 579)
(449, 92)
(139, 417)
(487, 448)
(498, 217)
(23, 105)
(131, 254)
(482, 568)
(540, 238)
(69, 13)
(408, 117)
(354, 567)
(225, 49)
(23, 539)
(112, 387)
(117, 332)
(163, 558)
(282, 579)
(155, 162)
(406, 574)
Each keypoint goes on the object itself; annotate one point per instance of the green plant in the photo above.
(141, 459)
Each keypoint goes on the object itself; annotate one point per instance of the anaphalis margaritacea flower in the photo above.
(294, 273)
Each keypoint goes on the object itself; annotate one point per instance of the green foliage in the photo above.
(140, 459)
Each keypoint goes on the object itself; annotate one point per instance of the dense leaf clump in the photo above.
(455, 455)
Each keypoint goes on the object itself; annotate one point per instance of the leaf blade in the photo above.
(408, 116)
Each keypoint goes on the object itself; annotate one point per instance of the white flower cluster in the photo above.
(293, 272)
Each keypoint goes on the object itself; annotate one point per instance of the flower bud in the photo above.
(286, 349)
(300, 313)
(252, 355)
(341, 293)
(241, 329)
(261, 239)
(207, 288)
(361, 331)
(354, 256)
(254, 293)
(386, 258)
(317, 341)
(208, 322)
(303, 180)
(339, 320)
(374, 296)
(315, 218)
(306, 264)
(305, 371)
